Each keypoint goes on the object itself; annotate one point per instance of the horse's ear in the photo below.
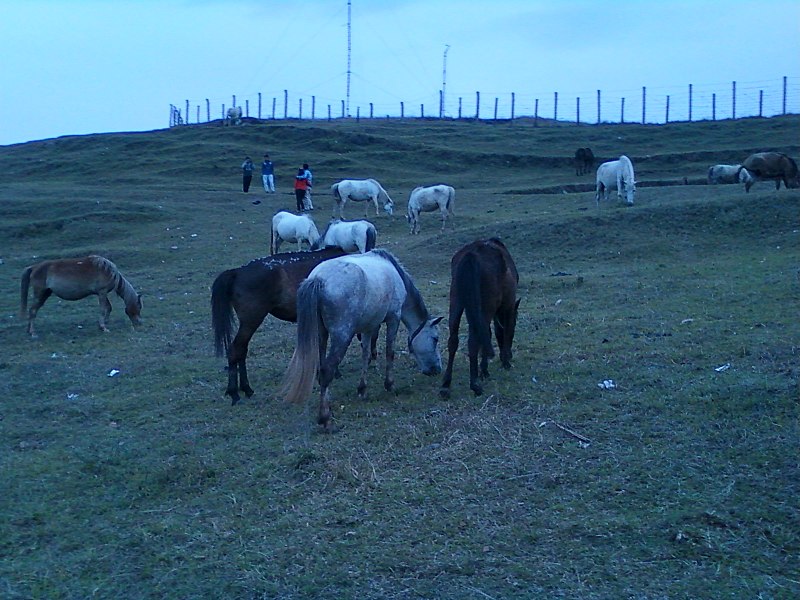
(435, 321)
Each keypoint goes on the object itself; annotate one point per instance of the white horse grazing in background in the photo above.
(361, 190)
(234, 116)
(350, 236)
(617, 173)
(728, 174)
(428, 199)
(287, 227)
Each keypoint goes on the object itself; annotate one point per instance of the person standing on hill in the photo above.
(309, 183)
(268, 175)
(300, 187)
(247, 173)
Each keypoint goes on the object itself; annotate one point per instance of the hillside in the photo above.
(679, 481)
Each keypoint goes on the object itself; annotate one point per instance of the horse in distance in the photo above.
(584, 160)
(351, 236)
(721, 174)
(350, 296)
(483, 285)
(775, 166)
(616, 173)
(234, 116)
(75, 279)
(428, 199)
(262, 287)
(288, 227)
(361, 190)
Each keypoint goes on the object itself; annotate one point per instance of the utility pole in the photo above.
(444, 79)
(348, 57)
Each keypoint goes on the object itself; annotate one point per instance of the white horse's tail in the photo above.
(451, 200)
(303, 368)
(335, 190)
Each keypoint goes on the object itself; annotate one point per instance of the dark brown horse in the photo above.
(771, 165)
(584, 161)
(483, 285)
(261, 287)
(75, 279)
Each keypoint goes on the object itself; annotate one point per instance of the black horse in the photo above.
(584, 161)
(261, 287)
(483, 284)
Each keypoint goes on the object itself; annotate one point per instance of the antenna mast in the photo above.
(348, 58)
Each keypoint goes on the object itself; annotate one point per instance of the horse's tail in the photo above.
(371, 238)
(468, 284)
(304, 366)
(272, 240)
(451, 201)
(222, 311)
(335, 190)
(23, 289)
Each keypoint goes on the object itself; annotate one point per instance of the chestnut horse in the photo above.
(75, 279)
(261, 287)
(483, 284)
(773, 166)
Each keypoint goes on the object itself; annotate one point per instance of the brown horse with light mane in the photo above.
(774, 166)
(483, 285)
(75, 279)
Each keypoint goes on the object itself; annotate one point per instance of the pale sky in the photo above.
(94, 66)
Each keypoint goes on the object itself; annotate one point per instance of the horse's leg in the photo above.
(474, 347)
(237, 359)
(328, 367)
(392, 326)
(40, 297)
(366, 343)
(105, 310)
(452, 347)
(444, 217)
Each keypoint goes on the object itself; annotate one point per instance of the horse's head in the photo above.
(134, 310)
(423, 346)
(389, 207)
(508, 324)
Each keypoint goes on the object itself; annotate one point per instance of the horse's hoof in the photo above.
(477, 389)
(444, 393)
(248, 391)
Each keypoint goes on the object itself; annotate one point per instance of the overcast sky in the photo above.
(92, 66)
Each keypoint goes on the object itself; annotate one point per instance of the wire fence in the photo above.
(646, 105)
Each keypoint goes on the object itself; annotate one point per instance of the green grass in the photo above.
(149, 484)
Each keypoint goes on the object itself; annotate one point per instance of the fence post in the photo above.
(370, 110)
(300, 108)
(477, 105)
(714, 107)
(555, 106)
(536, 113)
(358, 114)
(760, 101)
(187, 112)
(402, 110)
(198, 113)
(513, 103)
(285, 103)
(784, 94)
(622, 112)
(690, 102)
(329, 112)
(247, 108)
(441, 104)
(644, 104)
(259, 106)
(421, 111)
(208, 110)
(343, 109)
(313, 107)
(274, 100)
(598, 107)
(578, 111)
(734, 100)
(459, 107)
(666, 120)
(495, 109)
(223, 111)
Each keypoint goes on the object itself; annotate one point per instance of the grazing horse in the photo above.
(427, 199)
(355, 295)
(728, 174)
(771, 165)
(292, 228)
(234, 116)
(351, 236)
(584, 160)
(360, 190)
(483, 285)
(617, 173)
(261, 287)
(74, 279)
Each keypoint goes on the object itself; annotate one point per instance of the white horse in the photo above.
(234, 116)
(428, 199)
(728, 174)
(361, 190)
(350, 236)
(292, 228)
(617, 173)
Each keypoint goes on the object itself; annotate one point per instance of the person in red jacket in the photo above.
(300, 187)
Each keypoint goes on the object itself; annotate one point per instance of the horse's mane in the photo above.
(122, 286)
(412, 292)
(283, 258)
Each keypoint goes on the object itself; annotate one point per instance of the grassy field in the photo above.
(682, 481)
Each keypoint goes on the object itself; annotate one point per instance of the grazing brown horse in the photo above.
(74, 279)
(584, 161)
(261, 287)
(771, 165)
(483, 285)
